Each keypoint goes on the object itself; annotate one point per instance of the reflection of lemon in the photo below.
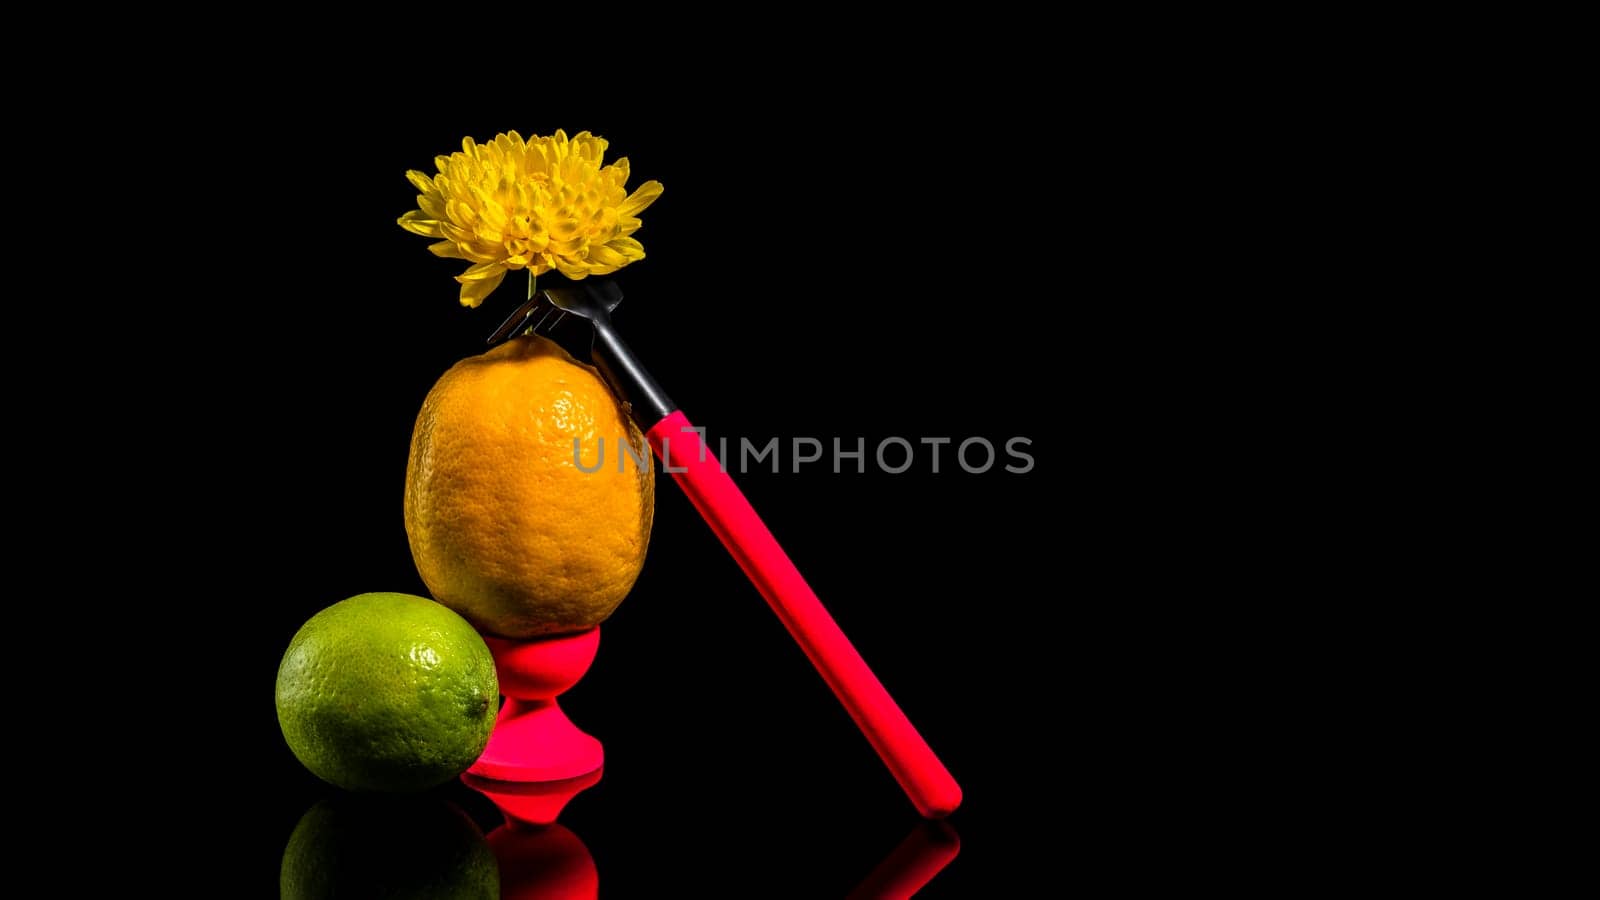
(505, 528)
(386, 692)
(371, 846)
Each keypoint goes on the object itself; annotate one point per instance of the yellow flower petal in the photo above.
(628, 247)
(481, 271)
(606, 256)
(447, 249)
(573, 248)
(416, 224)
(641, 198)
(421, 182)
(563, 229)
(577, 271)
(432, 205)
(473, 292)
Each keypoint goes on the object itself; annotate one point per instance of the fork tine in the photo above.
(536, 305)
(546, 313)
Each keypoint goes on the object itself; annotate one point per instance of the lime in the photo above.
(377, 846)
(386, 692)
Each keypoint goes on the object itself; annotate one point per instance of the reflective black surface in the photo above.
(426, 846)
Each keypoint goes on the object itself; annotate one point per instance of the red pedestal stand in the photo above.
(537, 760)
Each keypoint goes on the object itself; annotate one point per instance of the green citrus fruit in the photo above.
(374, 846)
(386, 692)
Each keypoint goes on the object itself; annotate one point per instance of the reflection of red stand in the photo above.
(544, 864)
(530, 803)
(537, 759)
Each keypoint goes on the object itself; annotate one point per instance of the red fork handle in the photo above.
(909, 758)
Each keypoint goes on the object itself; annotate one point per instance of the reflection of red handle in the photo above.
(923, 854)
(925, 780)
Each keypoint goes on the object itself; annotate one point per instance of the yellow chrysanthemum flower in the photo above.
(541, 204)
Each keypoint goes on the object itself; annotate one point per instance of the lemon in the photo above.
(505, 527)
(386, 692)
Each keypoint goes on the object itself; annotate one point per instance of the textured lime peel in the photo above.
(541, 204)
(387, 692)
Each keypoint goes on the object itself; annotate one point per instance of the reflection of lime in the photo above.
(386, 692)
(375, 846)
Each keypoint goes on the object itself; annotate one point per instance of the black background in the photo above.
(1101, 237)
(858, 264)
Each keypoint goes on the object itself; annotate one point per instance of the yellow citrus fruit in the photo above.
(505, 527)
